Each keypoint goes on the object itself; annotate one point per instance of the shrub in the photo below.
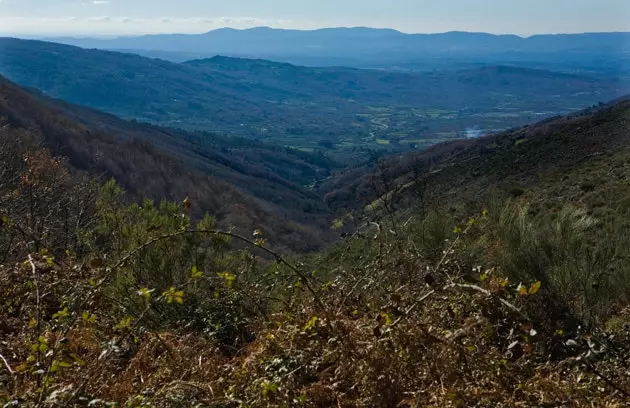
(580, 265)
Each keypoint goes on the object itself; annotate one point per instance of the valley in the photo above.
(344, 113)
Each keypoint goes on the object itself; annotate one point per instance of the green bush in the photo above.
(579, 263)
(216, 282)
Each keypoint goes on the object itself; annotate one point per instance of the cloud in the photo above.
(95, 2)
(103, 19)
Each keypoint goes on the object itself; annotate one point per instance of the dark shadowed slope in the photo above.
(157, 163)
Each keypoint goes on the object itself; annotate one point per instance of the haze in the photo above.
(118, 17)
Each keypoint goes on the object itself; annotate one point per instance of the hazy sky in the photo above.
(45, 17)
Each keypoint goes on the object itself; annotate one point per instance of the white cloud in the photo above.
(95, 2)
(103, 19)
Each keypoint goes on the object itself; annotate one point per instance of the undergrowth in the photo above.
(142, 306)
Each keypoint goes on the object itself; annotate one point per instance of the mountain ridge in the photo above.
(359, 43)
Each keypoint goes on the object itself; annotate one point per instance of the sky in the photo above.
(132, 17)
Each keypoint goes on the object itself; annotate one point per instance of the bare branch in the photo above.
(487, 292)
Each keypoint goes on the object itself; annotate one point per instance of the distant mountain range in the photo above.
(360, 46)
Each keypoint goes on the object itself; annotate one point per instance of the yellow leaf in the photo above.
(522, 290)
(196, 273)
(388, 320)
(125, 322)
(88, 317)
(61, 314)
(228, 277)
(145, 293)
(311, 323)
(535, 288)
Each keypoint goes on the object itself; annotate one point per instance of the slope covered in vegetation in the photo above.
(502, 301)
(244, 184)
(582, 158)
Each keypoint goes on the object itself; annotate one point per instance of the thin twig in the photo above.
(354, 287)
(413, 306)
(6, 364)
(607, 380)
(487, 292)
(38, 309)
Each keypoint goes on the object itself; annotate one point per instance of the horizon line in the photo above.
(115, 36)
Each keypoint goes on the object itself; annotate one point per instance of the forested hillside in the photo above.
(242, 183)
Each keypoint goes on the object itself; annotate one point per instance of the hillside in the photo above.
(582, 159)
(339, 111)
(242, 183)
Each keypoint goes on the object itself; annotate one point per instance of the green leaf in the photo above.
(88, 317)
(173, 295)
(124, 323)
(386, 318)
(228, 277)
(311, 323)
(145, 293)
(195, 273)
(61, 314)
